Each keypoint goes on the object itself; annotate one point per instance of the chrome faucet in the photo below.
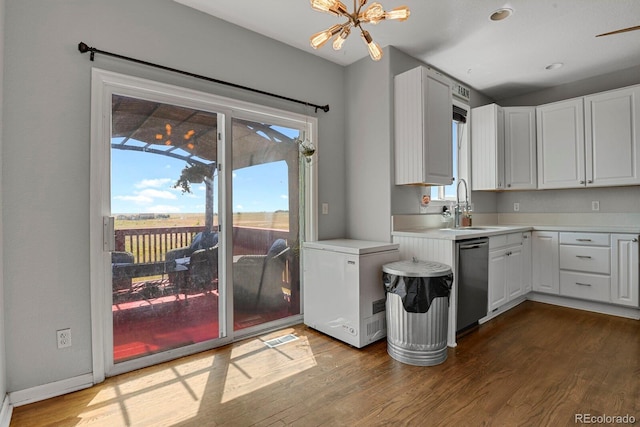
(456, 210)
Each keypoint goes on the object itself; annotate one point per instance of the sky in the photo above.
(143, 183)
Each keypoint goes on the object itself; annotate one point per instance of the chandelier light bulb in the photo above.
(339, 41)
(374, 49)
(334, 7)
(373, 14)
(319, 39)
(399, 13)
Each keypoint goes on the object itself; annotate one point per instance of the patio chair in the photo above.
(203, 269)
(121, 286)
(177, 278)
(258, 279)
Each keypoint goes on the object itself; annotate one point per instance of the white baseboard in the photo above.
(46, 391)
(5, 412)
(597, 307)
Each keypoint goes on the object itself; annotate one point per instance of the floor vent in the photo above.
(280, 340)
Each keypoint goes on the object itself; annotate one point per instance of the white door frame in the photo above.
(104, 85)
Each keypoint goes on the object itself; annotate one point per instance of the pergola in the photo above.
(192, 135)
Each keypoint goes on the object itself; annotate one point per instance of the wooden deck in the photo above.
(535, 365)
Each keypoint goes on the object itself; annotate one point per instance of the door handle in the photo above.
(108, 234)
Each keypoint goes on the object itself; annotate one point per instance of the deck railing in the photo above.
(151, 244)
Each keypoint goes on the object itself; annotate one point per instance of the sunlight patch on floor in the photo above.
(146, 400)
(254, 365)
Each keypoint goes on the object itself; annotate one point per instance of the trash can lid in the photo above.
(416, 268)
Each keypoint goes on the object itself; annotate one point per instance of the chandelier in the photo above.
(371, 15)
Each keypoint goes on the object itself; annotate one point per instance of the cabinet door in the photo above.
(520, 148)
(487, 148)
(560, 136)
(526, 262)
(612, 145)
(423, 112)
(624, 269)
(514, 280)
(497, 278)
(546, 270)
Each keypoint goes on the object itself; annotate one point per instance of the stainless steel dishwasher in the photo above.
(473, 282)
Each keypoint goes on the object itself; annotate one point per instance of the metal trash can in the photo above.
(417, 311)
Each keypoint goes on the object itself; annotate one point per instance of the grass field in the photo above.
(275, 220)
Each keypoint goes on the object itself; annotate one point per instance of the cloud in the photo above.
(284, 196)
(153, 183)
(147, 196)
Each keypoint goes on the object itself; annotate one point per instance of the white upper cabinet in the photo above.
(423, 112)
(503, 148)
(612, 122)
(520, 172)
(590, 141)
(560, 134)
(487, 148)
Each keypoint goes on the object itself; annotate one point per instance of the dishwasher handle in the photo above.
(473, 245)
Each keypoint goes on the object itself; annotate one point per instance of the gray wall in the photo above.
(3, 370)
(46, 147)
(612, 200)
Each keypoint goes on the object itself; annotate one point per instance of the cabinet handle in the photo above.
(583, 240)
(581, 182)
(590, 181)
(634, 240)
(583, 284)
(508, 185)
(583, 256)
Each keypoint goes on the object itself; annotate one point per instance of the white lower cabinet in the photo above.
(591, 266)
(624, 269)
(545, 262)
(505, 269)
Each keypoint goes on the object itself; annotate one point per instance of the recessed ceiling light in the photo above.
(554, 66)
(501, 14)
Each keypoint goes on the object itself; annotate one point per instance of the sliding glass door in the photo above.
(165, 284)
(197, 213)
(266, 222)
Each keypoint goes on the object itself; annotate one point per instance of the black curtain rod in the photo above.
(83, 48)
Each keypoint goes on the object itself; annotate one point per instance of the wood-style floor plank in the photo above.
(535, 365)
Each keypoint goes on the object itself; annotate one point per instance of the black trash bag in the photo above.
(417, 293)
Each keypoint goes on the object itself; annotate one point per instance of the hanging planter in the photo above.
(192, 174)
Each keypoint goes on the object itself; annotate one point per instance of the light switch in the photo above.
(325, 208)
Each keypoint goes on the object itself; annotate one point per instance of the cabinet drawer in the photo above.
(584, 285)
(590, 259)
(585, 239)
(503, 240)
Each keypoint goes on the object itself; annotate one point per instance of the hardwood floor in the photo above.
(535, 365)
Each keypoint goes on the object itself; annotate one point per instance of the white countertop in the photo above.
(494, 230)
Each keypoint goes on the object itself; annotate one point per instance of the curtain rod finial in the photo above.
(82, 47)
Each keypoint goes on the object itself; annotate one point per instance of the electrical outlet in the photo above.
(595, 205)
(64, 338)
(516, 207)
(325, 208)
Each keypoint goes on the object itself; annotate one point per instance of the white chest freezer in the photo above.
(343, 290)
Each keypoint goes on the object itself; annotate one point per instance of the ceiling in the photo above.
(500, 59)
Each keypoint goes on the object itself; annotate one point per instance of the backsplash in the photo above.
(610, 200)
